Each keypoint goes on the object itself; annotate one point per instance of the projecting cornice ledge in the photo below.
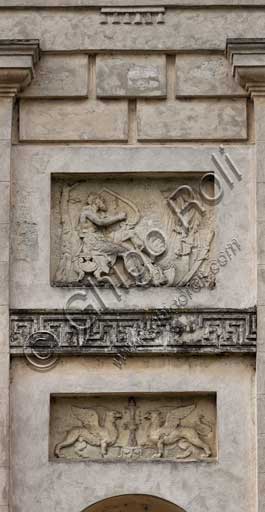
(247, 58)
(18, 59)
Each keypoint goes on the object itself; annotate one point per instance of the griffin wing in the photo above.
(88, 417)
(174, 416)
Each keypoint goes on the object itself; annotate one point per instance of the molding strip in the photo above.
(205, 331)
(122, 3)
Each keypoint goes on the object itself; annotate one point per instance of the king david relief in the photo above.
(138, 231)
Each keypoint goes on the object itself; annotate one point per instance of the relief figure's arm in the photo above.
(99, 221)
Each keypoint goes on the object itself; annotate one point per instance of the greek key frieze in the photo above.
(153, 331)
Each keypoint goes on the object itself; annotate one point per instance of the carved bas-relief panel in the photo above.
(131, 232)
(171, 427)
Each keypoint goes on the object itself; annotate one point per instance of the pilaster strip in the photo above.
(17, 61)
(247, 59)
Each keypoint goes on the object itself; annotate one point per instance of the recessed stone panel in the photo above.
(60, 76)
(86, 120)
(205, 75)
(119, 76)
(171, 427)
(192, 119)
(131, 231)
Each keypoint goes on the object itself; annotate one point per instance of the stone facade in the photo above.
(132, 263)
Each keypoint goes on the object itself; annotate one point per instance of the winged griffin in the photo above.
(91, 431)
(171, 432)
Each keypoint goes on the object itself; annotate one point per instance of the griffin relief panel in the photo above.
(172, 427)
(131, 231)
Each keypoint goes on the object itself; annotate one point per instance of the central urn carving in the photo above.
(130, 232)
(154, 427)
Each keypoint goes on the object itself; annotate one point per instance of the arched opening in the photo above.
(133, 503)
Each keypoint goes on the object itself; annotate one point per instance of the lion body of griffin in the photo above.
(91, 432)
(170, 432)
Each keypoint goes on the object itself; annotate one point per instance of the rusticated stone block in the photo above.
(205, 75)
(68, 120)
(60, 76)
(131, 75)
(192, 119)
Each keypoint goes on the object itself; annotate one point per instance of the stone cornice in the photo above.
(120, 3)
(17, 62)
(247, 58)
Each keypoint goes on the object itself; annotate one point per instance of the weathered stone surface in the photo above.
(22, 61)
(4, 203)
(259, 125)
(260, 155)
(5, 123)
(205, 75)
(261, 449)
(232, 381)
(192, 119)
(4, 329)
(183, 29)
(4, 380)
(4, 282)
(261, 483)
(261, 285)
(260, 371)
(94, 3)
(261, 413)
(261, 201)
(4, 429)
(60, 76)
(261, 241)
(261, 340)
(4, 478)
(5, 148)
(4, 242)
(129, 76)
(81, 120)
